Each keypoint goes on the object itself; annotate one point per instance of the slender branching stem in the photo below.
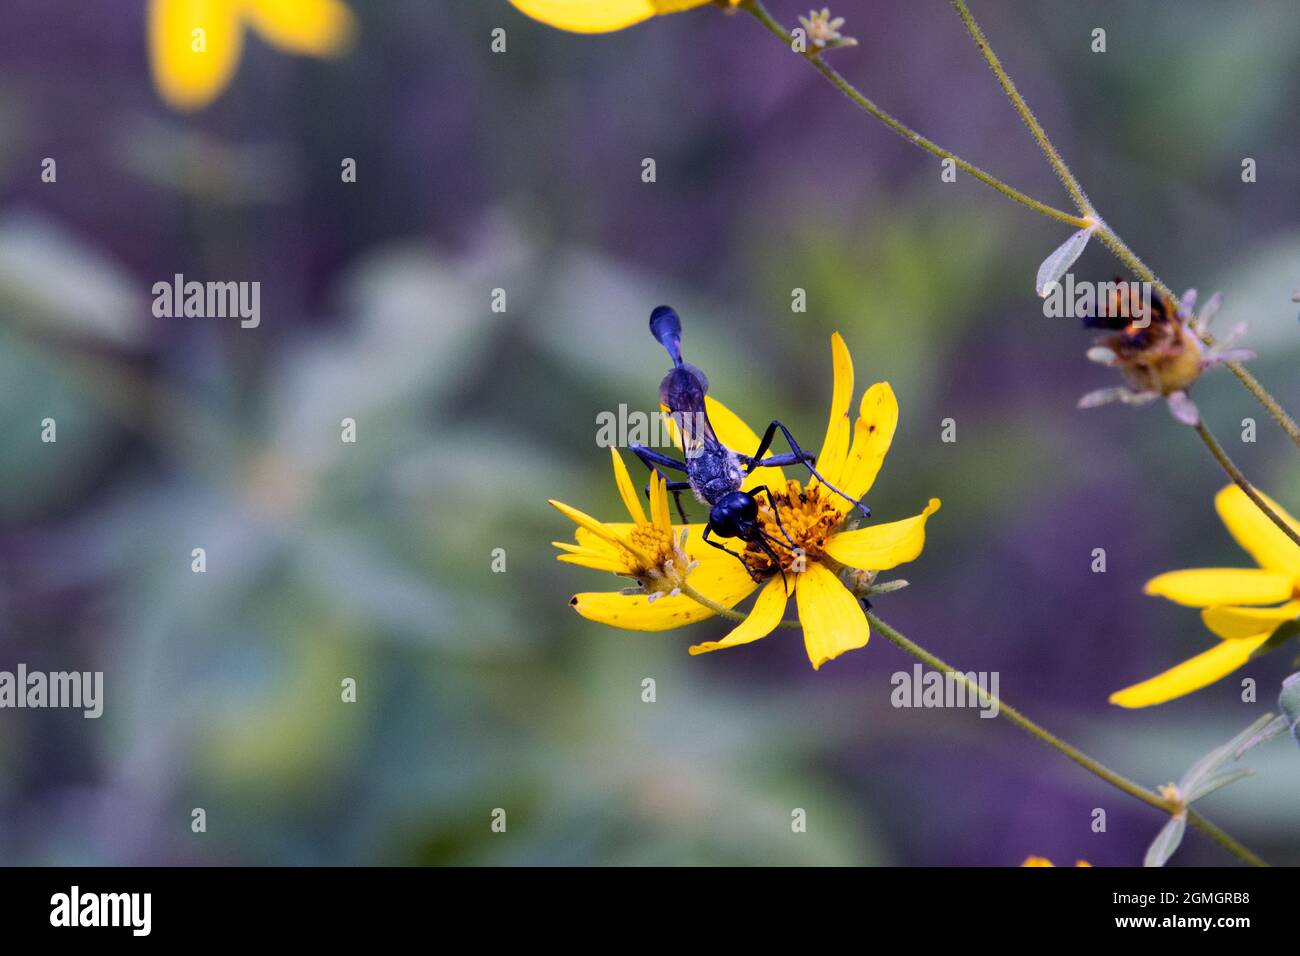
(1104, 231)
(721, 609)
(1088, 217)
(1026, 114)
(1095, 767)
(756, 8)
(1270, 403)
(1233, 472)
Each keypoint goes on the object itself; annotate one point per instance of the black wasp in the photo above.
(714, 472)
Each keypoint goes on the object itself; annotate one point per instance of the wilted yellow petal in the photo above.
(194, 47)
(872, 433)
(1256, 533)
(312, 27)
(1207, 587)
(1236, 623)
(762, 620)
(883, 546)
(1191, 675)
(832, 620)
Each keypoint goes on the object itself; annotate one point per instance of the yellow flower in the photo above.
(657, 556)
(832, 620)
(604, 16)
(195, 45)
(1231, 599)
(1044, 861)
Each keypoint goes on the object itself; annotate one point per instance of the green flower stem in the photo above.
(1089, 219)
(760, 13)
(1235, 474)
(1020, 720)
(1104, 232)
(1074, 753)
(1026, 114)
(721, 609)
(1270, 403)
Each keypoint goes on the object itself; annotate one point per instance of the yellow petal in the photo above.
(722, 579)
(883, 546)
(835, 446)
(1236, 623)
(1190, 675)
(626, 490)
(762, 620)
(872, 434)
(1206, 587)
(312, 27)
(633, 612)
(831, 618)
(596, 562)
(194, 47)
(659, 502)
(1262, 540)
(597, 528)
(600, 16)
(1037, 861)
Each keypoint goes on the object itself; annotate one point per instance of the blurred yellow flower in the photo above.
(605, 16)
(1044, 861)
(832, 620)
(1230, 598)
(195, 45)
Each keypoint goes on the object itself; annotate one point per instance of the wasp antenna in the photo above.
(666, 327)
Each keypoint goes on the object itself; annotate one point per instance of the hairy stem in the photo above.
(760, 13)
(1026, 114)
(1105, 232)
(1016, 717)
(1088, 219)
(1270, 403)
(1096, 768)
(1235, 474)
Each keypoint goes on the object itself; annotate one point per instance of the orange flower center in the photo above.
(659, 564)
(807, 516)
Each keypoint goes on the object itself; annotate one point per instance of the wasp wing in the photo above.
(682, 393)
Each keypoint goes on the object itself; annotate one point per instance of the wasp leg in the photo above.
(739, 557)
(776, 514)
(767, 549)
(675, 488)
(657, 462)
(797, 457)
